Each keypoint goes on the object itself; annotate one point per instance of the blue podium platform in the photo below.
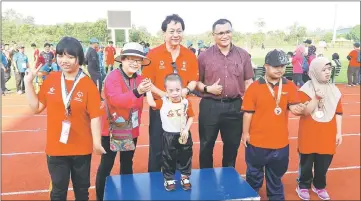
(207, 184)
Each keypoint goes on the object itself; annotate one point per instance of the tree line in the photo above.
(22, 29)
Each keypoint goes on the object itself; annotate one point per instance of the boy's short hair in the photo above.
(172, 77)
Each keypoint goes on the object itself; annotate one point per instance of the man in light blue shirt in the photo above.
(21, 63)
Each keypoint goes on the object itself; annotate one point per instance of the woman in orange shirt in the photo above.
(319, 129)
(73, 120)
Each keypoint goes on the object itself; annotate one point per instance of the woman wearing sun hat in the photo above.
(123, 97)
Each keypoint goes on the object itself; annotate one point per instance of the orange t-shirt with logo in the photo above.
(353, 61)
(161, 66)
(317, 137)
(85, 105)
(109, 52)
(268, 130)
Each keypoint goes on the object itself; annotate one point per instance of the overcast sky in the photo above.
(198, 16)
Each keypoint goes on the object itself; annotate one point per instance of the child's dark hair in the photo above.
(71, 46)
(335, 56)
(290, 53)
(172, 77)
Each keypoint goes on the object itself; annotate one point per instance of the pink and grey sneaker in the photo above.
(169, 185)
(185, 182)
(322, 193)
(303, 193)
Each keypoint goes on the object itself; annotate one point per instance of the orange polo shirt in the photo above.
(161, 66)
(268, 130)
(85, 105)
(353, 61)
(317, 137)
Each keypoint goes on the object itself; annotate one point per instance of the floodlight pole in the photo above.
(334, 26)
(126, 31)
(113, 36)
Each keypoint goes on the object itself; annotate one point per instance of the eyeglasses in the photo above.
(174, 65)
(139, 61)
(223, 33)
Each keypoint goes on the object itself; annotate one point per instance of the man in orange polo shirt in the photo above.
(265, 125)
(109, 53)
(171, 57)
(353, 70)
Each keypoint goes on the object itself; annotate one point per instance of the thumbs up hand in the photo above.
(215, 88)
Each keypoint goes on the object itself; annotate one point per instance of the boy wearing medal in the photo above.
(177, 116)
(265, 125)
(319, 129)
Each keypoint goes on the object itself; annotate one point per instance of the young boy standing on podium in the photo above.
(265, 125)
(177, 116)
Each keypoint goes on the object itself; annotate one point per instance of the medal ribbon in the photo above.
(64, 92)
(278, 99)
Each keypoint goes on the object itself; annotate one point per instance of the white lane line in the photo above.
(93, 187)
(23, 115)
(25, 131)
(147, 145)
(351, 94)
(20, 105)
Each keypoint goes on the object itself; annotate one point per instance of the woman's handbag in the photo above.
(120, 132)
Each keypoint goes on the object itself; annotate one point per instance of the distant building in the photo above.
(344, 31)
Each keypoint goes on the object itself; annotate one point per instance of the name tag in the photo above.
(65, 130)
(135, 119)
(23, 65)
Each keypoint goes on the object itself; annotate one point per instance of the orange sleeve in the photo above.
(158, 104)
(339, 109)
(293, 96)
(44, 90)
(190, 112)
(149, 71)
(93, 102)
(250, 98)
(303, 97)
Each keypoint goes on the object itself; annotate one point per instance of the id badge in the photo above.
(135, 119)
(23, 65)
(65, 130)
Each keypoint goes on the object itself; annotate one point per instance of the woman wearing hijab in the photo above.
(319, 129)
(297, 61)
(123, 95)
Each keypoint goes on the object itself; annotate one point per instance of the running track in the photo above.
(25, 175)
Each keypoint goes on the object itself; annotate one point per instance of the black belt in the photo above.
(224, 100)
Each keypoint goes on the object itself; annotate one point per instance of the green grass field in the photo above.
(258, 56)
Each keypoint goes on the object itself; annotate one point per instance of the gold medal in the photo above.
(277, 98)
(278, 110)
(181, 141)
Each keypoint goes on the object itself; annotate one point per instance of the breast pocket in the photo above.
(238, 69)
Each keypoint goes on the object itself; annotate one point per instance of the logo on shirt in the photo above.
(161, 65)
(51, 90)
(184, 66)
(173, 113)
(79, 96)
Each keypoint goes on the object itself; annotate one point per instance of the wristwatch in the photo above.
(205, 89)
(189, 91)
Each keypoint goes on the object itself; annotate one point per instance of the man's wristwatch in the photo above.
(189, 91)
(205, 89)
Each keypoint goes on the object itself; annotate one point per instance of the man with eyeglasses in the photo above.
(170, 57)
(225, 72)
